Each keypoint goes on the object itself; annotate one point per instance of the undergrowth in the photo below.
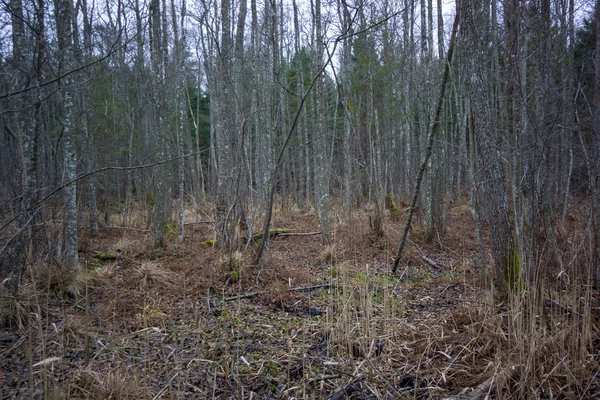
(312, 321)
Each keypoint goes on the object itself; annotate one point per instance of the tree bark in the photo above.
(506, 259)
(64, 35)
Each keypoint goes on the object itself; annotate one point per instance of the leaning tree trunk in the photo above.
(429, 149)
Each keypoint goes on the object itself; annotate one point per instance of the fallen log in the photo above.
(272, 233)
(281, 232)
(309, 288)
(301, 233)
(295, 289)
(432, 263)
(241, 296)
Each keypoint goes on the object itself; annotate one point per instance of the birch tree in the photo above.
(64, 34)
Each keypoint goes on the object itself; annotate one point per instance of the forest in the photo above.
(293, 199)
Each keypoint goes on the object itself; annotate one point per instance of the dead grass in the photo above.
(151, 314)
(428, 333)
(329, 255)
(131, 245)
(107, 272)
(149, 274)
(119, 383)
(51, 277)
(21, 310)
(83, 280)
(15, 311)
(73, 332)
(231, 262)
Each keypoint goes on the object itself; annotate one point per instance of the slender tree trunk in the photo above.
(440, 30)
(429, 148)
(64, 35)
(595, 184)
(24, 145)
(475, 209)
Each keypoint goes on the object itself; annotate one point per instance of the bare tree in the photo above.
(506, 258)
(64, 35)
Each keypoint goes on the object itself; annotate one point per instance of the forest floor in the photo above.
(312, 321)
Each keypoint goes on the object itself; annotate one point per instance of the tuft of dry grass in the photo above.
(363, 313)
(14, 312)
(73, 331)
(83, 279)
(232, 262)
(130, 246)
(115, 384)
(149, 274)
(17, 311)
(329, 255)
(107, 272)
(52, 277)
(150, 314)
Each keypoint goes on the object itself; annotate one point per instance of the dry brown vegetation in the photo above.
(315, 321)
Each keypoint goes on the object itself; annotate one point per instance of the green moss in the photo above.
(209, 243)
(513, 282)
(150, 199)
(106, 256)
(235, 276)
(280, 230)
(391, 205)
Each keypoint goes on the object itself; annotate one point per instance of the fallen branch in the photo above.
(346, 391)
(484, 389)
(272, 233)
(324, 378)
(241, 296)
(296, 289)
(432, 263)
(127, 228)
(200, 221)
(446, 288)
(308, 288)
(301, 233)
(489, 385)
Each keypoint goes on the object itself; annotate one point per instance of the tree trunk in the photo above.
(429, 148)
(64, 35)
(506, 259)
(595, 184)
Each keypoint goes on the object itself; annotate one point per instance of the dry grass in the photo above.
(151, 314)
(430, 334)
(15, 311)
(107, 272)
(19, 311)
(231, 262)
(329, 255)
(115, 384)
(83, 280)
(150, 274)
(131, 245)
(73, 332)
(51, 277)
